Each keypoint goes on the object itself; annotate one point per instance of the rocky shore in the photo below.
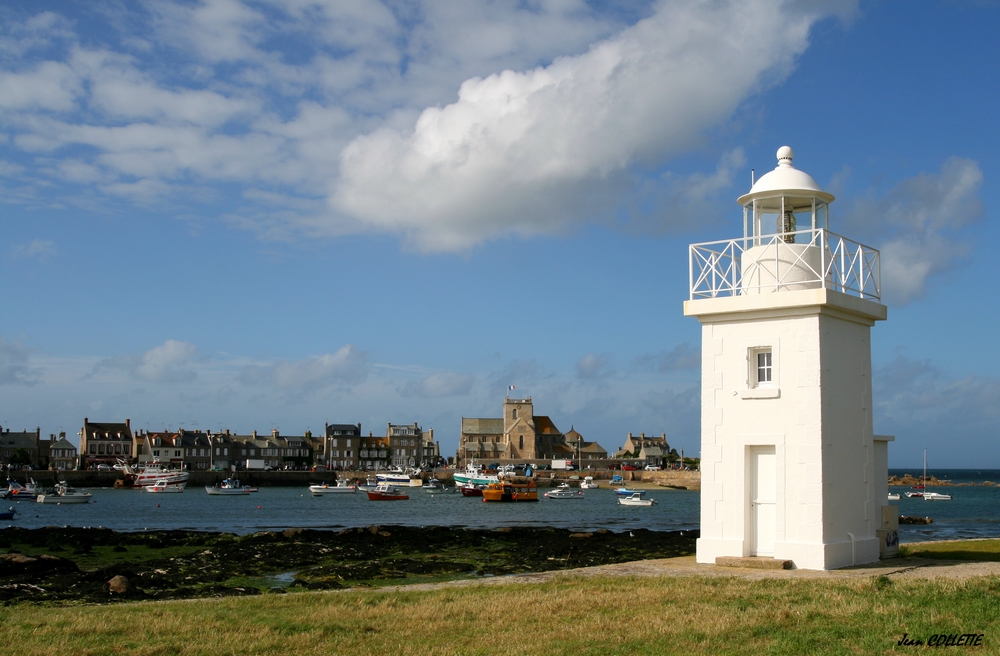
(910, 480)
(95, 565)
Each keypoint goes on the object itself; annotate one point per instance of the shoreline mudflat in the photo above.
(97, 565)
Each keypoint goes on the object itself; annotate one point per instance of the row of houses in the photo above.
(341, 446)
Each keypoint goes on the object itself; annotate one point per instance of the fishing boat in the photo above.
(475, 475)
(9, 513)
(507, 491)
(63, 493)
(17, 491)
(564, 491)
(369, 484)
(163, 487)
(893, 496)
(228, 487)
(635, 499)
(151, 473)
(339, 487)
(588, 483)
(387, 492)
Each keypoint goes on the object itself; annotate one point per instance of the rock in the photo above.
(119, 585)
(13, 564)
(581, 535)
(915, 520)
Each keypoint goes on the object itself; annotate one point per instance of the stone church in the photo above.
(518, 435)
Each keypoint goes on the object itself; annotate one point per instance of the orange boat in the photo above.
(504, 491)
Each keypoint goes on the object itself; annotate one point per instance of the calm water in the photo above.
(974, 511)
(280, 507)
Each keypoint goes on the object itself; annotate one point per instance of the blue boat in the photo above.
(625, 492)
(9, 514)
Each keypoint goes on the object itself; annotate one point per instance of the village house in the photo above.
(374, 453)
(62, 454)
(104, 443)
(341, 447)
(20, 448)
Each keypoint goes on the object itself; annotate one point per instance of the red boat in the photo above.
(471, 490)
(386, 492)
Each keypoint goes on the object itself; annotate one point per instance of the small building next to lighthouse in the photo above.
(791, 468)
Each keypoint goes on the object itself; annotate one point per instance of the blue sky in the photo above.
(257, 215)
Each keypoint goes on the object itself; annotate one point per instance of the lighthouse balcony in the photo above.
(804, 259)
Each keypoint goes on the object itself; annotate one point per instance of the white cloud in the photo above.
(437, 386)
(348, 365)
(301, 97)
(526, 152)
(594, 366)
(917, 226)
(41, 249)
(170, 362)
(681, 358)
(14, 367)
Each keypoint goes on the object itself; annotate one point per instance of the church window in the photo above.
(520, 441)
(514, 413)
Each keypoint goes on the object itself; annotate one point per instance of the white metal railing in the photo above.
(754, 265)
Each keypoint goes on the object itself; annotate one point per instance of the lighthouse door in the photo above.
(762, 496)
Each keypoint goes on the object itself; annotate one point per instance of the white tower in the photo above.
(790, 467)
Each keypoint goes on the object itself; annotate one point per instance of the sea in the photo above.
(973, 512)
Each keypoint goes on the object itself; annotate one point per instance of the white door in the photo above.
(763, 482)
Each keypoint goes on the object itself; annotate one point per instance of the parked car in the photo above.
(103, 467)
(629, 468)
(653, 468)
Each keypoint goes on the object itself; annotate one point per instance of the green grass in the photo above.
(567, 615)
(981, 550)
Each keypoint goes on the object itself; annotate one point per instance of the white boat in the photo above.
(63, 493)
(154, 472)
(932, 496)
(474, 475)
(893, 496)
(564, 491)
(397, 476)
(434, 486)
(635, 500)
(340, 487)
(228, 487)
(588, 483)
(162, 487)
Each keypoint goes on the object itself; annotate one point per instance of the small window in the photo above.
(762, 365)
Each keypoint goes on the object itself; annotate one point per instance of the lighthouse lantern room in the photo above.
(791, 469)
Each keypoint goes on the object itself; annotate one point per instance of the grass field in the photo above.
(567, 615)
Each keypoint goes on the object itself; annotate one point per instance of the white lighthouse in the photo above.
(791, 469)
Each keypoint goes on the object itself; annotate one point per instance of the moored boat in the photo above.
(387, 492)
(152, 473)
(564, 491)
(635, 499)
(588, 483)
(9, 513)
(474, 475)
(471, 490)
(228, 487)
(625, 492)
(17, 491)
(507, 491)
(63, 493)
(893, 496)
(162, 487)
(340, 487)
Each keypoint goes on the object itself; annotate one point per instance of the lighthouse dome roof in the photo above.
(785, 180)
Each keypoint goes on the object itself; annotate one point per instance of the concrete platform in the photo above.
(753, 562)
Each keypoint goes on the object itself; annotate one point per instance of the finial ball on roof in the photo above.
(785, 154)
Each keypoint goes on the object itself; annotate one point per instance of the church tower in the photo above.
(790, 466)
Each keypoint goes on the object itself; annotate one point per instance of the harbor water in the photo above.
(973, 512)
